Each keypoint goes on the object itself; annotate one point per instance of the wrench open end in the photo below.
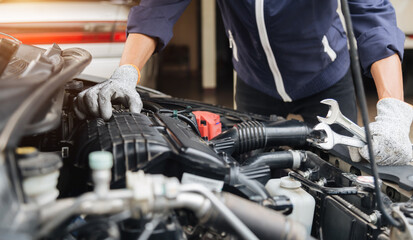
(329, 101)
(332, 138)
(328, 142)
(334, 116)
(321, 119)
(333, 112)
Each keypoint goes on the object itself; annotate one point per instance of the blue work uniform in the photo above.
(288, 50)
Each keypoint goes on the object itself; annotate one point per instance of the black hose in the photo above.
(355, 67)
(277, 160)
(253, 135)
(190, 123)
(148, 105)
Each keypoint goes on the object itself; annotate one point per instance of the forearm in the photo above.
(387, 74)
(138, 49)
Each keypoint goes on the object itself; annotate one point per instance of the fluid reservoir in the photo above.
(303, 203)
(40, 172)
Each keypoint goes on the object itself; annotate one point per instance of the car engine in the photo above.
(180, 169)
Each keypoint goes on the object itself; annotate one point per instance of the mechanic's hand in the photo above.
(120, 87)
(390, 133)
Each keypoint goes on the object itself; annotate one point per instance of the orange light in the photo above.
(66, 32)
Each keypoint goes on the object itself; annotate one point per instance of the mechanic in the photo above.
(288, 55)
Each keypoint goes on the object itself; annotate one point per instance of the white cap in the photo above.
(100, 160)
(288, 182)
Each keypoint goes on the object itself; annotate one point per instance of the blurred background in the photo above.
(195, 65)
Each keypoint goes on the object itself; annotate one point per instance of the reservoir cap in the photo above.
(287, 182)
(100, 160)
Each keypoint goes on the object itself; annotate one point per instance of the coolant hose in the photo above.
(253, 135)
(263, 222)
(277, 160)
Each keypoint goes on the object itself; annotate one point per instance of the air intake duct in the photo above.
(253, 135)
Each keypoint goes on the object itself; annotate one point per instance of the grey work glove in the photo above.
(120, 87)
(390, 133)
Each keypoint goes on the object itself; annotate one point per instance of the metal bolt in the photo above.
(374, 217)
(322, 182)
(307, 173)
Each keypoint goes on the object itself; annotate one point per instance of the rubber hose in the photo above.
(276, 160)
(253, 135)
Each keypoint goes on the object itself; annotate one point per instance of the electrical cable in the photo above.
(361, 96)
(184, 118)
(190, 123)
(322, 189)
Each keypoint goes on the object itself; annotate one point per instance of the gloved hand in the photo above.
(390, 133)
(120, 87)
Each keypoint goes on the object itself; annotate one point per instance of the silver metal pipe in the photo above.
(195, 202)
(101, 180)
(233, 220)
(65, 208)
(65, 214)
(52, 210)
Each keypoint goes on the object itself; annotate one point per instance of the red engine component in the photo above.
(209, 124)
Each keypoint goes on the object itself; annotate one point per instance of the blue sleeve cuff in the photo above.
(379, 43)
(156, 19)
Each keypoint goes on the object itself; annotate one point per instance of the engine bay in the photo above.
(180, 169)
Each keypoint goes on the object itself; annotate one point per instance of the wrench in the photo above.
(334, 115)
(332, 138)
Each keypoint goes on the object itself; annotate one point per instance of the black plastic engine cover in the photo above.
(129, 137)
(153, 143)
